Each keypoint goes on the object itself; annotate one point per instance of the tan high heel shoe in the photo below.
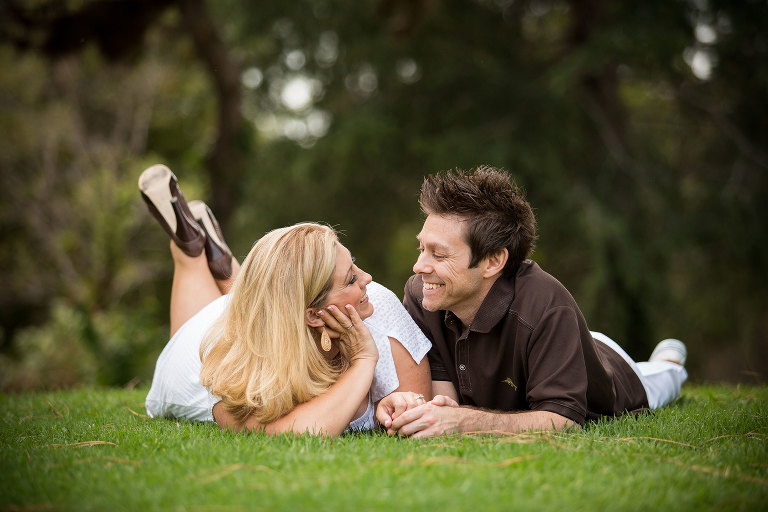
(160, 190)
(216, 250)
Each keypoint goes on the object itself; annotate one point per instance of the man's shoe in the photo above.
(671, 350)
(160, 190)
(216, 251)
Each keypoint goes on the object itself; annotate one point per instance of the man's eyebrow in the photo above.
(437, 246)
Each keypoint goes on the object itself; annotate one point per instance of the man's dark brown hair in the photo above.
(495, 210)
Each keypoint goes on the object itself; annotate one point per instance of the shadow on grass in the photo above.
(681, 403)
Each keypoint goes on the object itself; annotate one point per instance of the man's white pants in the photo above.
(662, 380)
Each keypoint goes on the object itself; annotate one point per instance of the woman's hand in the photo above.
(355, 340)
(395, 404)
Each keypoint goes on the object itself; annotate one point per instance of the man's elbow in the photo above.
(559, 422)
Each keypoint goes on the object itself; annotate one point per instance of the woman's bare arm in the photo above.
(329, 413)
(326, 414)
(413, 376)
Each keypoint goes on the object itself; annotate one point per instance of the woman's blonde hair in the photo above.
(261, 357)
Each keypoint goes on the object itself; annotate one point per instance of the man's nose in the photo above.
(420, 267)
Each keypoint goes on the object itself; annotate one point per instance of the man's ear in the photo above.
(312, 319)
(494, 263)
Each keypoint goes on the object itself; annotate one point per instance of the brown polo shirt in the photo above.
(528, 348)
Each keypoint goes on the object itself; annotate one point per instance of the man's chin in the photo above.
(430, 306)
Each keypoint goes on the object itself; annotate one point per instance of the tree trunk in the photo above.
(226, 159)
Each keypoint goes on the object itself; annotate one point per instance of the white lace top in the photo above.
(176, 390)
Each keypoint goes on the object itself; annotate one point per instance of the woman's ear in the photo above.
(312, 319)
(495, 263)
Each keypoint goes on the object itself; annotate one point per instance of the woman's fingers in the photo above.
(393, 405)
(354, 316)
(333, 326)
(347, 320)
(355, 338)
(337, 319)
(356, 324)
(407, 400)
(329, 321)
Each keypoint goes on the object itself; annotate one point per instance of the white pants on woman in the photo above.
(662, 380)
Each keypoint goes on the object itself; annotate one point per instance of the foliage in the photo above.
(85, 262)
(636, 128)
(92, 449)
(75, 347)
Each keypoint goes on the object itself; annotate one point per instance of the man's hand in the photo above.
(393, 405)
(442, 415)
(444, 400)
(439, 416)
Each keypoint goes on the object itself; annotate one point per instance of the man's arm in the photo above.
(445, 388)
(434, 419)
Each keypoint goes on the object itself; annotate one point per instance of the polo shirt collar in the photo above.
(494, 306)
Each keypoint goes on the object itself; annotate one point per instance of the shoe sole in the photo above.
(200, 212)
(671, 350)
(154, 183)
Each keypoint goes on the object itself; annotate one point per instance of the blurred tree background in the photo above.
(637, 129)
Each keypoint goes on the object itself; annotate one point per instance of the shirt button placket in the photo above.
(463, 359)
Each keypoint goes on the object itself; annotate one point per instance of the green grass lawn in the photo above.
(95, 449)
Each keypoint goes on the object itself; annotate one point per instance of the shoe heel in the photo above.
(165, 200)
(155, 186)
(217, 252)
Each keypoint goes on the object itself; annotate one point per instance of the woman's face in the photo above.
(349, 284)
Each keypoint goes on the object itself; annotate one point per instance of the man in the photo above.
(511, 349)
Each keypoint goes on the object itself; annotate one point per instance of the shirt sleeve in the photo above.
(557, 374)
(436, 366)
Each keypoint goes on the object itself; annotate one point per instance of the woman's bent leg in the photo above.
(193, 287)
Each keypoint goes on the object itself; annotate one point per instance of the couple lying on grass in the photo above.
(300, 339)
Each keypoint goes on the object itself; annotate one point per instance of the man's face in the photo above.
(449, 283)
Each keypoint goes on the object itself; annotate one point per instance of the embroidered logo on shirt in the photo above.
(508, 381)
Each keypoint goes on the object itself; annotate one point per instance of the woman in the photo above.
(297, 340)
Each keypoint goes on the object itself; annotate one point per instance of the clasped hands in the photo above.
(408, 414)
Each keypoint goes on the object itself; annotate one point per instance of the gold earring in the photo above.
(325, 341)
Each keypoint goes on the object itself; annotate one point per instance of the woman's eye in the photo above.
(354, 278)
